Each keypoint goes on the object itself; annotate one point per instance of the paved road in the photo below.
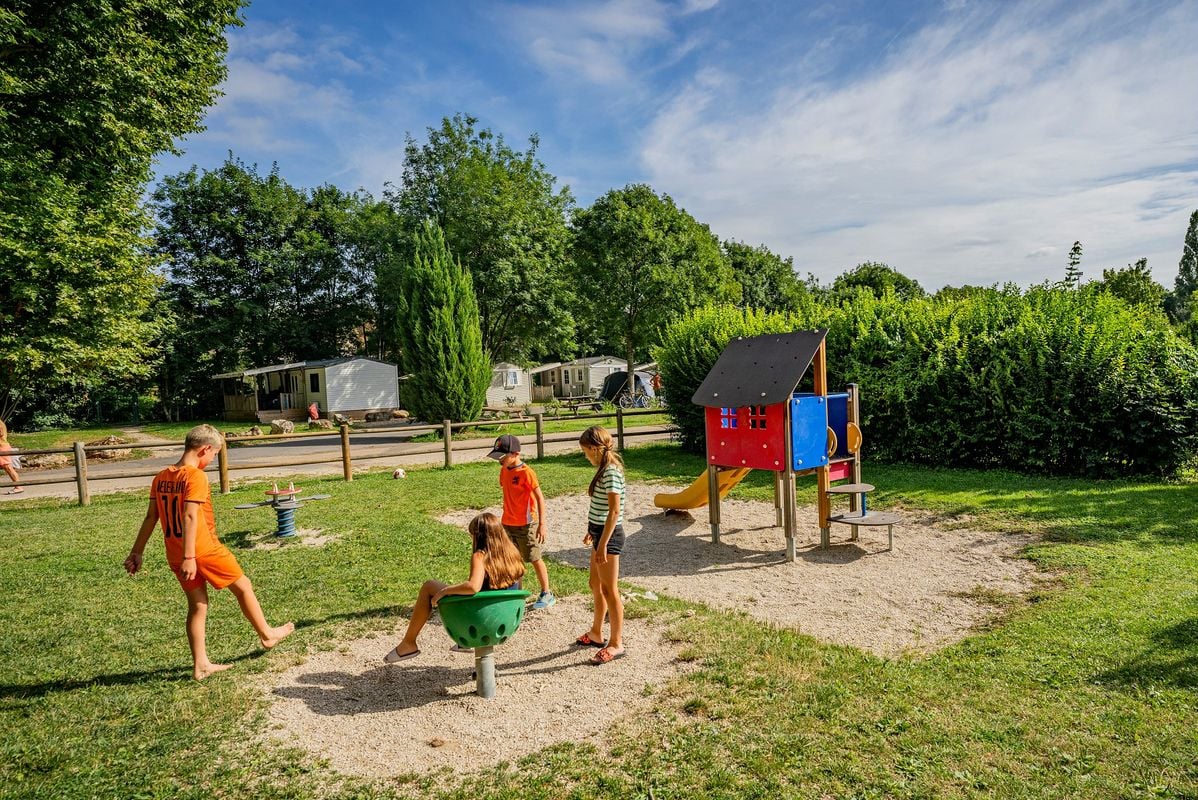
(368, 450)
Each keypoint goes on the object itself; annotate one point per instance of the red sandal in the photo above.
(605, 656)
(586, 641)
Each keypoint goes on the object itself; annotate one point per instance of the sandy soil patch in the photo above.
(304, 537)
(422, 715)
(914, 598)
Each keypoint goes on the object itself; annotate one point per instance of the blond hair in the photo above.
(599, 438)
(502, 561)
(202, 435)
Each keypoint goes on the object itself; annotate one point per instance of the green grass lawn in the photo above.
(1089, 690)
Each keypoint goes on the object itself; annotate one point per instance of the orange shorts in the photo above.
(217, 567)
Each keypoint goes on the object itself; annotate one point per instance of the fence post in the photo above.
(619, 428)
(540, 418)
(223, 462)
(347, 467)
(447, 435)
(85, 497)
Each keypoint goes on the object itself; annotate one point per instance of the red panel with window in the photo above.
(750, 436)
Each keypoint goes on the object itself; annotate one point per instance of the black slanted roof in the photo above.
(760, 370)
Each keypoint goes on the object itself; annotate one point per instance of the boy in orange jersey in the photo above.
(181, 501)
(521, 494)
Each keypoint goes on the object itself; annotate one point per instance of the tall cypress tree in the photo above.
(1180, 305)
(437, 326)
(1073, 270)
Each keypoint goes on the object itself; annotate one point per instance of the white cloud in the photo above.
(965, 157)
(598, 42)
(696, 6)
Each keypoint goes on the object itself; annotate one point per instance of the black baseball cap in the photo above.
(503, 446)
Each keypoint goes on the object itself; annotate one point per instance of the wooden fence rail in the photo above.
(222, 466)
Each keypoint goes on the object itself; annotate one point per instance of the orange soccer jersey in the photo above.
(518, 484)
(171, 490)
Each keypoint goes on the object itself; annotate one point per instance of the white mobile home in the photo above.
(509, 382)
(582, 376)
(349, 386)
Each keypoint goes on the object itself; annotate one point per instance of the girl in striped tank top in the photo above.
(605, 534)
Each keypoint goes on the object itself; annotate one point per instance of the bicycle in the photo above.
(628, 399)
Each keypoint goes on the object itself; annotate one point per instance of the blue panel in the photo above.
(808, 431)
(838, 421)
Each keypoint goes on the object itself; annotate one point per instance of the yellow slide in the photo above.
(695, 495)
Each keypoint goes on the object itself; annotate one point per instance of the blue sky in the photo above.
(958, 141)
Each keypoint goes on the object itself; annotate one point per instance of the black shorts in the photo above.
(615, 545)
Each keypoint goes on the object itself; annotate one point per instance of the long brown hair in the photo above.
(598, 437)
(502, 561)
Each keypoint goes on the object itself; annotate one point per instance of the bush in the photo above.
(1051, 381)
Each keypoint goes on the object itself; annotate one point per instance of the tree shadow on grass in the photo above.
(1171, 661)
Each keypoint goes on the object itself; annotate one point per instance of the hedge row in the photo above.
(1050, 381)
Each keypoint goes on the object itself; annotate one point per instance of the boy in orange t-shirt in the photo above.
(181, 500)
(521, 496)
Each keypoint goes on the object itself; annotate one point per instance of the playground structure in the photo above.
(756, 419)
(285, 503)
(481, 621)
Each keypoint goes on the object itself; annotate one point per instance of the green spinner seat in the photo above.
(485, 619)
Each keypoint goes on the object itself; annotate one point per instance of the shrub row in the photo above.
(1048, 380)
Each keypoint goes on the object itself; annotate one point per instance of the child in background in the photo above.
(9, 463)
(521, 495)
(181, 500)
(605, 534)
(494, 564)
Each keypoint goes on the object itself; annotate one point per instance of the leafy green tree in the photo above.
(767, 281)
(92, 91)
(505, 221)
(1073, 268)
(1134, 284)
(438, 328)
(1184, 287)
(879, 279)
(260, 273)
(641, 263)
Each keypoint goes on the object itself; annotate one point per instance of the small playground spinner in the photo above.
(285, 503)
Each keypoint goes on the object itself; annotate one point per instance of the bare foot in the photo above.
(204, 671)
(278, 634)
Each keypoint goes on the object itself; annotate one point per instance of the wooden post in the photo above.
(85, 497)
(855, 418)
(540, 418)
(347, 467)
(713, 501)
(788, 485)
(222, 460)
(447, 435)
(619, 428)
(823, 483)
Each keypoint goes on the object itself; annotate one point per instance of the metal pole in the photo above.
(347, 468)
(85, 497)
(619, 428)
(484, 672)
(713, 501)
(540, 418)
(778, 499)
(447, 435)
(223, 462)
(855, 418)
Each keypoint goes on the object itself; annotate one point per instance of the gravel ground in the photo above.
(421, 715)
(375, 719)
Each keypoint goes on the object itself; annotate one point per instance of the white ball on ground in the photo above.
(399, 473)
